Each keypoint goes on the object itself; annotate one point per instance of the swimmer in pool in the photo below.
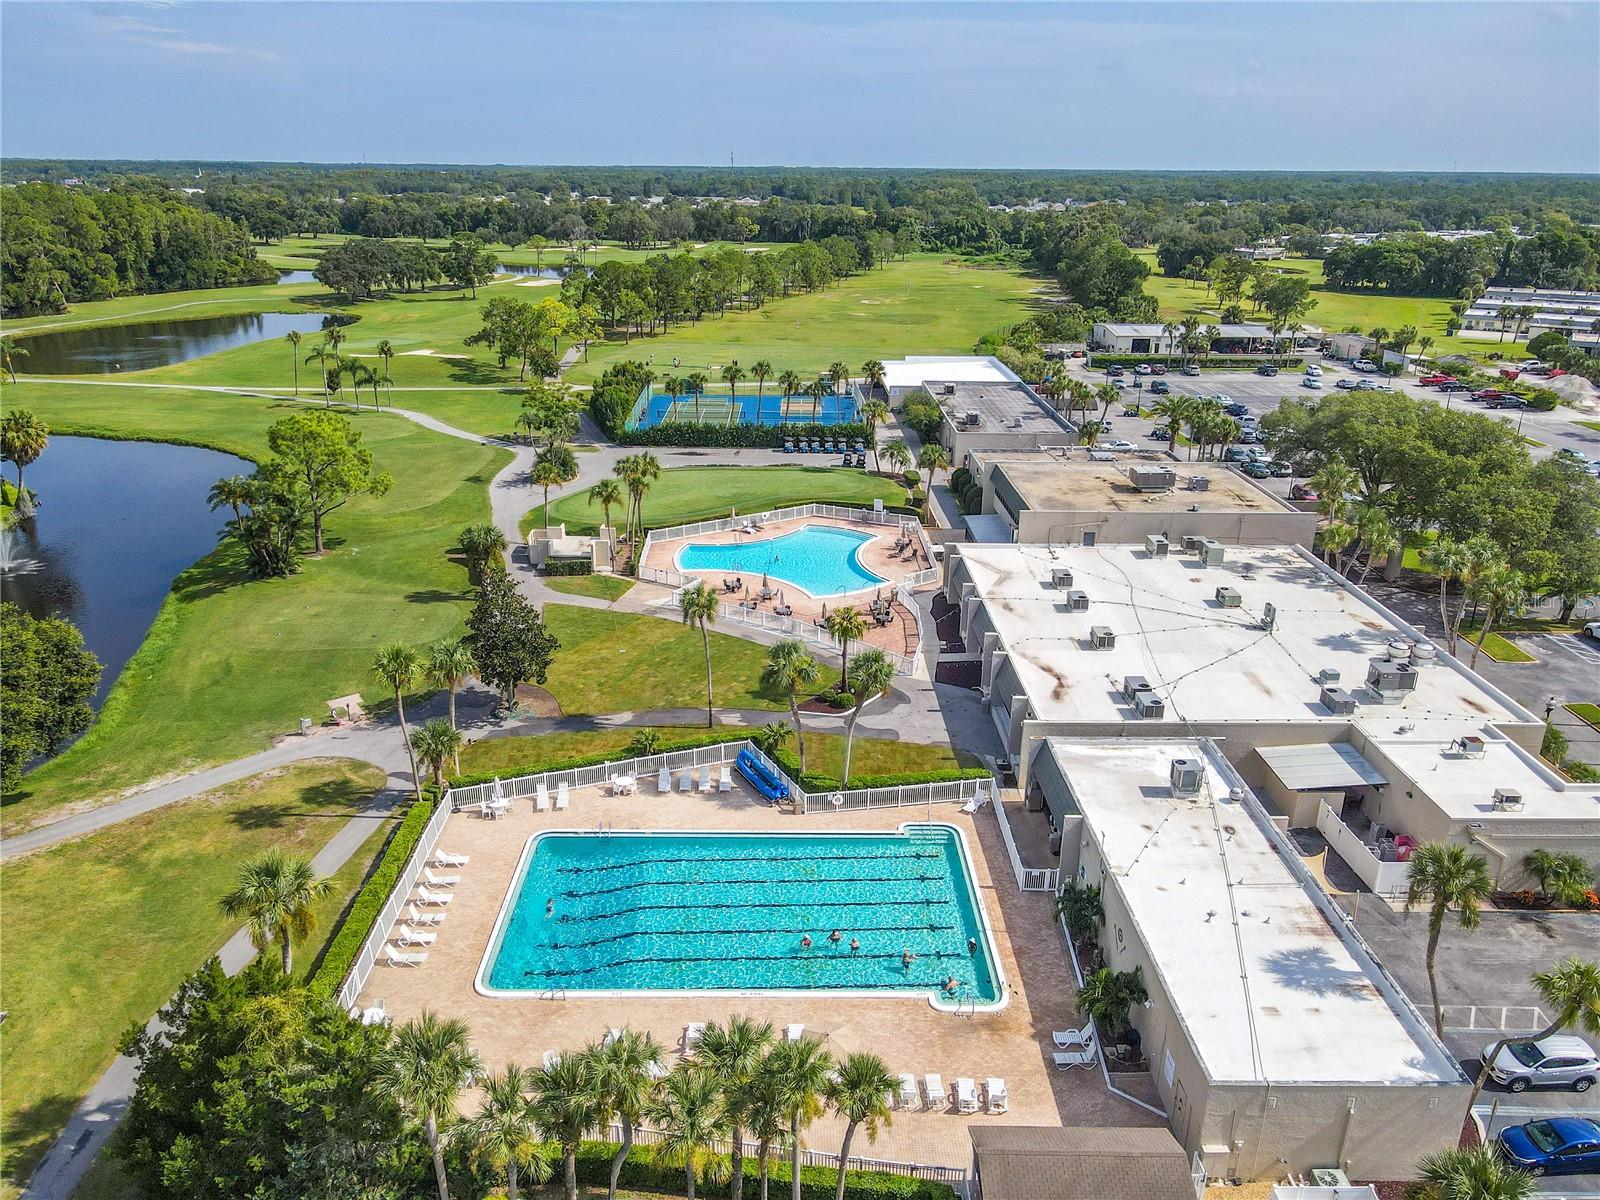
(950, 985)
(835, 937)
(972, 945)
(907, 958)
(805, 942)
(550, 907)
(855, 944)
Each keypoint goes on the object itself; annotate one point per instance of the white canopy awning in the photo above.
(1321, 767)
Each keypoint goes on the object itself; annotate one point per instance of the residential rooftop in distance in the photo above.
(1266, 988)
(914, 372)
(1047, 482)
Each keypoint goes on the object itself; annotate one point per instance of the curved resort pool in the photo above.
(819, 559)
(715, 912)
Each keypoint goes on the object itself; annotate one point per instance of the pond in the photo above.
(530, 270)
(147, 344)
(296, 277)
(116, 523)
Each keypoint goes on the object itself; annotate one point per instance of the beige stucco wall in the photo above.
(1230, 528)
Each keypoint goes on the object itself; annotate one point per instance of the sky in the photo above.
(1282, 86)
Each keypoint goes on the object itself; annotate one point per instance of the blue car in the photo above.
(1559, 1146)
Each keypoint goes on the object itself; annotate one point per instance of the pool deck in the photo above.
(1013, 1043)
(876, 555)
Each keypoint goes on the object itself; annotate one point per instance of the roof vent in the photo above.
(1328, 675)
(1186, 775)
(1507, 800)
(1269, 616)
(1424, 654)
(949, 389)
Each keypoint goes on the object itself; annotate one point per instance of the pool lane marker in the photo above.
(644, 883)
(648, 862)
(618, 937)
(809, 904)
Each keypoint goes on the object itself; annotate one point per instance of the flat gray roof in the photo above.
(1041, 1162)
(1321, 765)
(1048, 483)
(1002, 407)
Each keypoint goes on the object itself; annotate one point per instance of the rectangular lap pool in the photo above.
(715, 912)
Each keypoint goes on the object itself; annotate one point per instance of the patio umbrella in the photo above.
(764, 583)
(847, 1039)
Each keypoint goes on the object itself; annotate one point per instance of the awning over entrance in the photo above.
(988, 527)
(1322, 767)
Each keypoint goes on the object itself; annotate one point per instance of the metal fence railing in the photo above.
(361, 968)
(1029, 879)
(956, 1177)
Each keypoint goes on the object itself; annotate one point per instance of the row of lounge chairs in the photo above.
(691, 781)
(420, 924)
(1076, 1047)
(962, 1095)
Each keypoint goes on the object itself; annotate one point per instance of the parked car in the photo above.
(1454, 386)
(1560, 1060)
(1160, 432)
(1249, 436)
(1592, 630)
(1233, 408)
(1142, 369)
(1121, 444)
(1236, 454)
(1558, 1146)
(1507, 402)
(1362, 364)
(1436, 379)
(1281, 469)
(1373, 385)
(1191, 369)
(1313, 369)
(1119, 382)
(1488, 394)
(1301, 492)
(1312, 382)
(1113, 370)
(1157, 369)
(1346, 385)
(1256, 469)
(1266, 369)
(1160, 387)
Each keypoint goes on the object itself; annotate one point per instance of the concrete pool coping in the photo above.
(497, 931)
(862, 541)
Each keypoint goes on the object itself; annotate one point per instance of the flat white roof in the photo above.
(1137, 329)
(1266, 988)
(922, 369)
(1208, 663)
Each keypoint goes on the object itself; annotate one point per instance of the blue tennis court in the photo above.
(723, 409)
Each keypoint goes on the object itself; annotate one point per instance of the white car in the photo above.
(1116, 444)
(1313, 369)
(1362, 364)
(1311, 381)
(1592, 630)
(1119, 383)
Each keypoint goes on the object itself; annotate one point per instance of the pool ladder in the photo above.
(604, 828)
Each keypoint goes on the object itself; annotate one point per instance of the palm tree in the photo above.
(1565, 877)
(731, 1054)
(695, 385)
(1107, 995)
(1478, 1173)
(565, 1107)
(762, 1106)
(817, 389)
(385, 352)
(398, 665)
(640, 471)
(839, 374)
(1108, 395)
(502, 1132)
(731, 374)
(1173, 410)
(23, 438)
(1336, 536)
(790, 382)
(873, 411)
(1449, 560)
(273, 897)
(556, 466)
(293, 338)
(621, 1076)
(790, 669)
(800, 1070)
(859, 1091)
(1502, 591)
(480, 542)
(321, 353)
(1333, 484)
(673, 387)
(870, 677)
(1571, 993)
(436, 741)
(760, 372)
(427, 1065)
(10, 355)
(846, 624)
(933, 458)
(698, 604)
(689, 1110)
(1448, 879)
(1089, 433)
(234, 491)
(450, 664)
(898, 455)
(606, 493)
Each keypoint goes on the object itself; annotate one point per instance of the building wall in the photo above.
(1272, 528)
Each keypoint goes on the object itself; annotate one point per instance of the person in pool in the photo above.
(855, 944)
(972, 945)
(550, 907)
(907, 958)
(805, 942)
(951, 984)
(835, 937)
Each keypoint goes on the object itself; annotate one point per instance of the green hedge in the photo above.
(369, 902)
(772, 437)
(641, 1172)
(567, 566)
(813, 781)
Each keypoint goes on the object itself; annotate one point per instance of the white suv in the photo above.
(1560, 1060)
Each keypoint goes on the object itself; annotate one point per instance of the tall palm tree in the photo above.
(621, 1076)
(872, 412)
(839, 376)
(1571, 993)
(731, 374)
(761, 371)
(859, 1091)
(502, 1133)
(689, 1109)
(556, 466)
(789, 382)
(1333, 483)
(790, 669)
(386, 353)
(762, 1107)
(1448, 879)
(1449, 560)
(933, 458)
(731, 1054)
(10, 355)
(695, 385)
(436, 741)
(872, 375)
(234, 491)
(846, 624)
(698, 604)
(1502, 592)
(424, 1070)
(23, 438)
(637, 472)
(870, 677)
(565, 1107)
(293, 338)
(273, 897)
(673, 387)
(1478, 1173)
(606, 493)
(800, 1070)
(480, 542)
(322, 354)
(399, 665)
(450, 664)
(1173, 411)
(1108, 395)
(817, 389)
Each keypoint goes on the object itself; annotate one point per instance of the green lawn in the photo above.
(232, 662)
(685, 494)
(99, 932)
(1594, 425)
(1499, 649)
(623, 662)
(603, 587)
(824, 751)
(1589, 713)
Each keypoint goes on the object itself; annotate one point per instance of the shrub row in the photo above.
(369, 902)
(642, 1173)
(567, 566)
(771, 437)
(1233, 362)
(814, 781)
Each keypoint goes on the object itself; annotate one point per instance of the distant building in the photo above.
(1565, 312)
(1116, 337)
(1347, 347)
(984, 402)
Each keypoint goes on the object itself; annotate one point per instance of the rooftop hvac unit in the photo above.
(1132, 685)
(1329, 1177)
(1328, 675)
(1101, 638)
(1199, 483)
(1269, 616)
(1077, 601)
(1424, 654)
(1155, 545)
(1337, 701)
(1229, 597)
(1507, 800)
(1147, 706)
(1187, 775)
(1153, 479)
(1212, 552)
(1392, 681)
(1191, 543)
(949, 389)
(1061, 577)
(972, 417)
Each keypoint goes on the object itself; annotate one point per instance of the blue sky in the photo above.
(1292, 86)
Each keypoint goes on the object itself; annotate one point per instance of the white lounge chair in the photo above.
(402, 958)
(664, 780)
(793, 1033)
(450, 860)
(551, 1058)
(436, 880)
(407, 936)
(705, 779)
(427, 896)
(488, 809)
(966, 1095)
(371, 1016)
(910, 1098)
(995, 1091)
(686, 780)
(1067, 1038)
(933, 1088)
(611, 1036)
(691, 1034)
(417, 917)
(656, 1069)
(725, 780)
(541, 798)
(561, 797)
(1065, 1060)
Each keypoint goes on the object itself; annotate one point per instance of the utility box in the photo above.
(1061, 577)
(1191, 543)
(1229, 597)
(1101, 638)
(1507, 800)
(1155, 545)
(1148, 706)
(1269, 616)
(1153, 479)
(1077, 601)
(1337, 701)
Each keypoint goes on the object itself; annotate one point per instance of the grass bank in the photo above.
(601, 587)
